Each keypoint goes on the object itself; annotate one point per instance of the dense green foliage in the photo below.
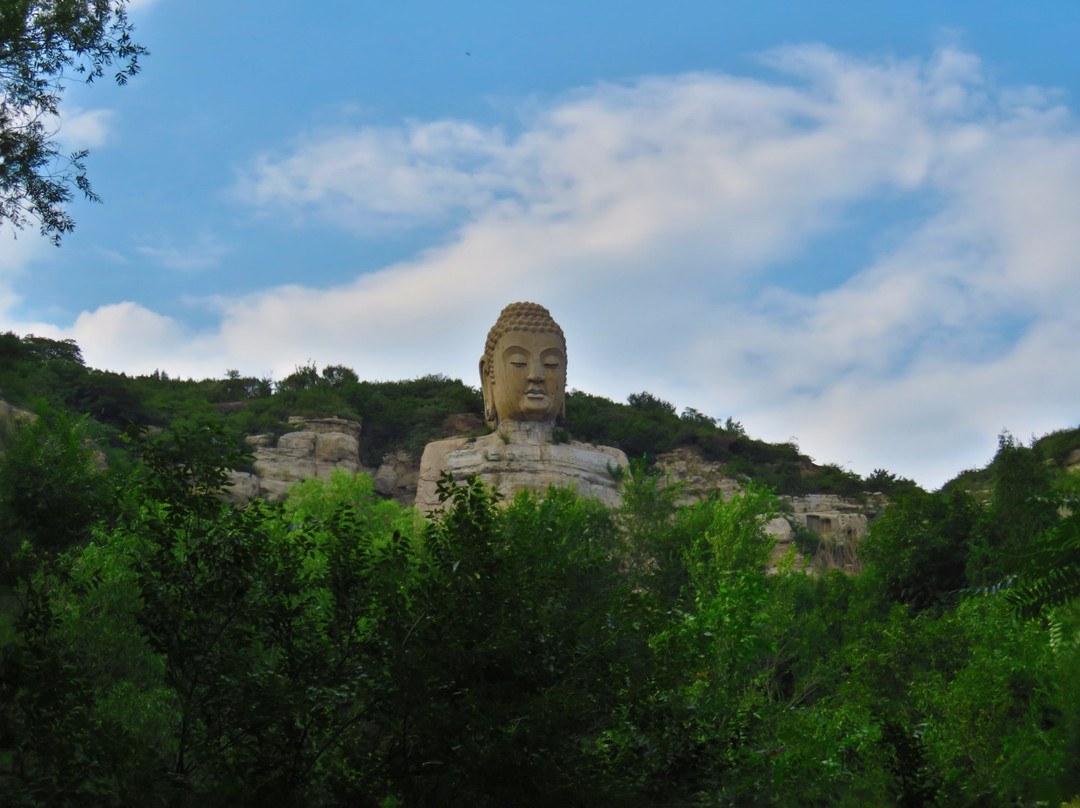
(51, 495)
(163, 647)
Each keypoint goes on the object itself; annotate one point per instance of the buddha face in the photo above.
(529, 381)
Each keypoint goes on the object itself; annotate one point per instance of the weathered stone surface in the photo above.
(313, 450)
(520, 456)
(397, 476)
(782, 533)
(243, 487)
(335, 447)
(294, 445)
(324, 426)
(832, 517)
(780, 529)
(698, 476)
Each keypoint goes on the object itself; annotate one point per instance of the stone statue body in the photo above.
(523, 378)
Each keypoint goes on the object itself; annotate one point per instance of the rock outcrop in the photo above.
(699, 477)
(828, 515)
(515, 458)
(396, 477)
(838, 520)
(834, 517)
(314, 449)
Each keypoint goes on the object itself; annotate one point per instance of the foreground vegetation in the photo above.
(162, 647)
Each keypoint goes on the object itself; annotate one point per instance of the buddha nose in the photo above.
(536, 372)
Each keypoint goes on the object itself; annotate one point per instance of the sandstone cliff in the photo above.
(317, 446)
(314, 449)
(842, 523)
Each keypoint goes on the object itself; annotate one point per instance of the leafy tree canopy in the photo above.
(43, 43)
(339, 650)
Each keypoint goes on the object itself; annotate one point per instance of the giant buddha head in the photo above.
(523, 369)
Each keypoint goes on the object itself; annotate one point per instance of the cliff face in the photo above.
(315, 449)
(839, 521)
(318, 446)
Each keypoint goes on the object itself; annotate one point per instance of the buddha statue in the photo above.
(523, 379)
(523, 369)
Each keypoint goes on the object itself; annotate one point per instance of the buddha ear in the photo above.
(490, 415)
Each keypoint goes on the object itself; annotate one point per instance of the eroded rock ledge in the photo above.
(838, 520)
(314, 449)
(317, 446)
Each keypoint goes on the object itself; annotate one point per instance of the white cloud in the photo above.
(663, 221)
(127, 335)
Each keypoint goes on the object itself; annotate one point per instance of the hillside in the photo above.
(395, 415)
(1058, 452)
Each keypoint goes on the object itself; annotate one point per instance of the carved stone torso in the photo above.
(520, 456)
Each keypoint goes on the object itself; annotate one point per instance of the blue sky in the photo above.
(854, 225)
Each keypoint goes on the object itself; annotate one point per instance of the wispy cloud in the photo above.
(382, 176)
(18, 251)
(85, 128)
(203, 253)
(664, 220)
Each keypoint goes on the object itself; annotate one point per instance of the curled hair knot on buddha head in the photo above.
(525, 317)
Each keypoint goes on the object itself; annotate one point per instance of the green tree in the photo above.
(43, 42)
(647, 402)
(1022, 503)
(919, 548)
(188, 464)
(50, 492)
(522, 624)
(686, 732)
(305, 377)
(1050, 576)
(56, 746)
(998, 718)
(339, 375)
